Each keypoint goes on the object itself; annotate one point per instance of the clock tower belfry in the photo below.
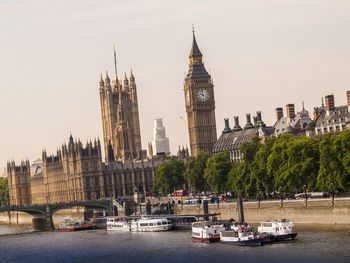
(200, 104)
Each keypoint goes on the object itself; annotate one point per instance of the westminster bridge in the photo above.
(42, 213)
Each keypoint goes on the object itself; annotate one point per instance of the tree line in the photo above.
(284, 164)
(4, 192)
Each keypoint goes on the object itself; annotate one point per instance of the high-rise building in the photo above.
(200, 104)
(160, 141)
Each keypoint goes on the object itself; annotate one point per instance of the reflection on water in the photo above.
(14, 229)
(174, 246)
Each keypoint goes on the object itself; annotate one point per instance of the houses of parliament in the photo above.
(77, 172)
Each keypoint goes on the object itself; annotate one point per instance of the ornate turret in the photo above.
(102, 83)
(132, 78)
(126, 81)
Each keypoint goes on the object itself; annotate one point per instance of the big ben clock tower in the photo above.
(200, 104)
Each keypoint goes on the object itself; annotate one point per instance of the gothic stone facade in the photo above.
(77, 173)
(120, 119)
(19, 183)
(200, 104)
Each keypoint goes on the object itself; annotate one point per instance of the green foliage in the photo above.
(169, 176)
(216, 173)
(194, 173)
(4, 192)
(287, 163)
(279, 164)
(334, 162)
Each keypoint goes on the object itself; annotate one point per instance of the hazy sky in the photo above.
(262, 54)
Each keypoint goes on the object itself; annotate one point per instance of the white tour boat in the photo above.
(277, 230)
(206, 231)
(117, 224)
(242, 235)
(150, 224)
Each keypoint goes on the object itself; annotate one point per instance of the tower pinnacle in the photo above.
(195, 52)
(115, 65)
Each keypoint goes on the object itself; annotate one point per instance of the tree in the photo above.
(243, 177)
(169, 176)
(264, 180)
(4, 192)
(334, 162)
(194, 173)
(216, 173)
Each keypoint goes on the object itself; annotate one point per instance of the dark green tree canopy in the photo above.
(216, 173)
(169, 176)
(194, 173)
(4, 192)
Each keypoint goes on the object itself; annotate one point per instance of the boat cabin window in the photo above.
(159, 223)
(164, 222)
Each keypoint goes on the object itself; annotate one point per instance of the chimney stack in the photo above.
(316, 112)
(255, 121)
(279, 113)
(227, 128)
(258, 115)
(290, 111)
(329, 103)
(249, 124)
(348, 97)
(236, 127)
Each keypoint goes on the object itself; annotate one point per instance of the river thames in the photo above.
(18, 244)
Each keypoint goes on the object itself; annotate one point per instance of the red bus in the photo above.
(180, 193)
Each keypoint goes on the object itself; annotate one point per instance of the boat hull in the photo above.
(277, 238)
(250, 242)
(76, 229)
(206, 240)
(151, 229)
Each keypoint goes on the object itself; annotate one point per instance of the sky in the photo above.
(262, 54)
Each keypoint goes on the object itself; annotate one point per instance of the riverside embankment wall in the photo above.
(298, 211)
(25, 218)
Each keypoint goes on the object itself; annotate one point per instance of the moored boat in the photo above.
(117, 224)
(150, 224)
(206, 232)
(75, 225)
(242, 235)
(277, 230)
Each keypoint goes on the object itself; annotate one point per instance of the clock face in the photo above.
(187, 97)
(203, 95)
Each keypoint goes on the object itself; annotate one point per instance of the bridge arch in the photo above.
(31, 211)
(54, 209)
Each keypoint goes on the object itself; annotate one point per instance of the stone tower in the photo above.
(120, 119)
(19, 183)
(200, 104)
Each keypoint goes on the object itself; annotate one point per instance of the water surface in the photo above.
(173, 246)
